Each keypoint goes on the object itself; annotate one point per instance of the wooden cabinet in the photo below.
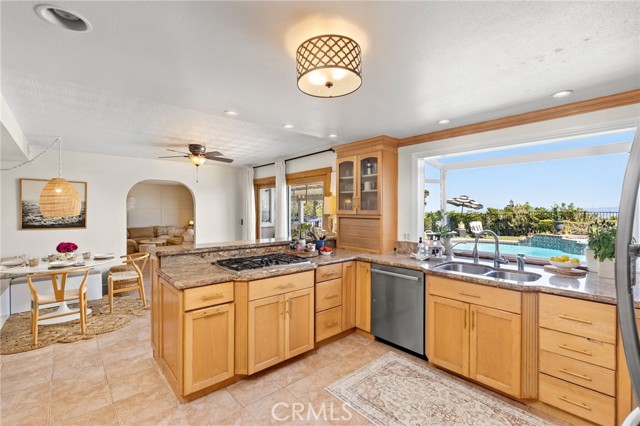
(195, 335)
(332, 300)
(474, 340)
(578, 357)
(280, 321)
(367, 186)
(348, 295)
(363, 296)
(155, 307)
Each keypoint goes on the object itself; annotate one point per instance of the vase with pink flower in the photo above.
(67, 250)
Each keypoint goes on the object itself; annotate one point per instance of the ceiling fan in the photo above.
(198, 155)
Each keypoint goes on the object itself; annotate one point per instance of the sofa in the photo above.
(172, 234)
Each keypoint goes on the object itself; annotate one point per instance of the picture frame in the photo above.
(30, 217)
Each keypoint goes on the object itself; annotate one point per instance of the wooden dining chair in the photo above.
(60, 294)
(128, 277)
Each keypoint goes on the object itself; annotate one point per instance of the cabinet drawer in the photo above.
(329, 272)
(579, 317)
(581, 373)
(268, 287)
(328, 294)
(328, 323)
(497, 298)
(580, 348)
(577, 400)
(209, 295)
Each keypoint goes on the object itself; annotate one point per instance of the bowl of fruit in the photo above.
(564, 262)
(325, 251)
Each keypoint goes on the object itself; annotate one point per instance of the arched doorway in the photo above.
(159, 212)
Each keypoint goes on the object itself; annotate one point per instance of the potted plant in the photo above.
(602, 240)
(555, 216)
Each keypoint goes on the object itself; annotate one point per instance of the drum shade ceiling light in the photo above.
(58, 198)
(329, 66)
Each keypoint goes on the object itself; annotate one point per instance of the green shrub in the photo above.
(545, 226)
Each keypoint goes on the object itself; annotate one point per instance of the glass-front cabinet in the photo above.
(359, 184)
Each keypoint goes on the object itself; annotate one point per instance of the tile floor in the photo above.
(113, 380)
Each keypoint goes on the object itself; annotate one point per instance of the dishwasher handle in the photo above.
(394, 274)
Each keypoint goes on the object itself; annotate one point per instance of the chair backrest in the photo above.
(58, 282)
(137, 260)
(475, 226)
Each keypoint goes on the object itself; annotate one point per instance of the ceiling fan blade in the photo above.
(175, 156)
(224, 160)
(181, 152)
(212, 154)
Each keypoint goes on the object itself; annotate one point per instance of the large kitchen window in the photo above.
(306, 192)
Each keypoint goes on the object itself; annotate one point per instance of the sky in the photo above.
(592, 183)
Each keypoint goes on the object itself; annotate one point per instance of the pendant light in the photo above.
(58, 198)
(329, 66)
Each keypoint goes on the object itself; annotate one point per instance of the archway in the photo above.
(159, 212)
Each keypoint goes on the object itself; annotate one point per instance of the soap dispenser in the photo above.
(422, 250)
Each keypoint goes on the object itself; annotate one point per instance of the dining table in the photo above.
(45, 266)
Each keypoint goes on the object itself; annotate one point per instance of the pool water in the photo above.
(514, 249)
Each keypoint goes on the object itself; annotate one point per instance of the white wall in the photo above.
(410, 193)
(150, 204)
(319, 161)
(218, 200)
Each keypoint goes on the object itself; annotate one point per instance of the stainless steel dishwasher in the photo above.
(397, 306)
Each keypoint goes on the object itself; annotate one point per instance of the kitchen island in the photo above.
(213, 326)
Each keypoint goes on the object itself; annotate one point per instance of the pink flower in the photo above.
(66, 247)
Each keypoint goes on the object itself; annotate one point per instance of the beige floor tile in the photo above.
(253, 388)
(125, 367)
(143, 405)
(105, 416)
(32, 416)
(142, 381)
(33, 396)
(171, 416)
(548, 417)
(289, 372)
(209, 408)
(123, 353)
(22, 381)
(80, 401)
(310, 389)
(275, 409)
(92, 371)
(336, 370)
(319, 358)
(239, 418)
(82, 346)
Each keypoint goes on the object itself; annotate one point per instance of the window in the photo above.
(306, 198)
(267, 206)
(264, 190)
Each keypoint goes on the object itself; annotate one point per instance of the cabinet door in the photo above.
(363, 296)
(370, 168)
(171, 331)
(348, 295)
(208, 346)
(347, 185)
(155, 308)
(265, 333)
(495, 349)
(298, 325)
(448, 335)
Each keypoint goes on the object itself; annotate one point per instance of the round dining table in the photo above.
(63, 308)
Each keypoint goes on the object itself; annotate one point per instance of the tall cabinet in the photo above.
(367, 194)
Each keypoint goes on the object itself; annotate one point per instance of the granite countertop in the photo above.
(213, 247)
(592, 287)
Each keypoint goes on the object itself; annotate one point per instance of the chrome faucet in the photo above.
(520, 261)
(497, 259)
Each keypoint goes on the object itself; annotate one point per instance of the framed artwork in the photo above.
(30, 216)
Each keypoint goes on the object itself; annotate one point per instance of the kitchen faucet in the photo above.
(497, 259)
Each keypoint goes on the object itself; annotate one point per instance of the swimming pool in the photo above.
(514, 249)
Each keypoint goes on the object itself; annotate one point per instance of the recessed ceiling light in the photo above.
(288, 126)
(231, 113)
(63, 18)
(562, 93)
(333, 136)
(444, 121)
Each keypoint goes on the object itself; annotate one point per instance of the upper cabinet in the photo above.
(367, 186)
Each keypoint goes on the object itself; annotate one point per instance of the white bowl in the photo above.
(564, 265)
(326, 253)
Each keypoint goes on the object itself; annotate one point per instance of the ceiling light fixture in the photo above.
(288, 126)
(231, 113)
(197, 160)
(329, 66)
(58, 198)
(444, 121)
(63, 18)
(562, 93)
(333, 136)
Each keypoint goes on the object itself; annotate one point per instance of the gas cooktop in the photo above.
(263, 261)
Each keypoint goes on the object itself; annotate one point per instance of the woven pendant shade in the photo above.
(59, 199)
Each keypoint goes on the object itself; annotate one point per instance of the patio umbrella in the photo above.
(463, 201)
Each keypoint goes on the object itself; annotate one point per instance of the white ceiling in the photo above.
(153, 75)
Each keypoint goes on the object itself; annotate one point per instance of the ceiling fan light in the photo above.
(59, 199)
(329, 66)
(197, 160)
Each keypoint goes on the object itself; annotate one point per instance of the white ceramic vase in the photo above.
(607, 269)
(592, 262)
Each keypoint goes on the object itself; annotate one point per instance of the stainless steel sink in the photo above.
(513, 275)
(467, 268)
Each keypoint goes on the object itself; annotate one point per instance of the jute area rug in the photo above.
(393, 391)
(15, 335)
